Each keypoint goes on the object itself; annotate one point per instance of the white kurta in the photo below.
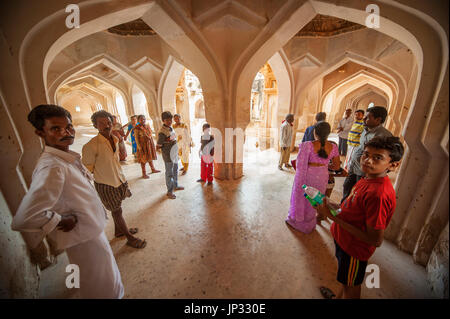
(61, 185)
(184, 142)
(286, 132)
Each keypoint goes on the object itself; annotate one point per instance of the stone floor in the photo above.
(229, 240)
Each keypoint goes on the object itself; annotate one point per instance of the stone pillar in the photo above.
(437, 267)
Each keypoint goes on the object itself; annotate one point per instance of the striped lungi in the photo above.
(112, 197)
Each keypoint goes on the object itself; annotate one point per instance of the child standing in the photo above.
(207, 155)
(167, 142)
(359, 229)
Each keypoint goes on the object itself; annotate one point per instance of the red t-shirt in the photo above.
(371, 202)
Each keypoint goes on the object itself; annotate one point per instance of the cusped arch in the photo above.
(350, 84)
(168, 84)
(108, 61)
(285, 80)
(362, 92)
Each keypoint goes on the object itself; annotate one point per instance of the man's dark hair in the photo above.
(133, 116)
(177, 115)
(166, 115)
(321, 116)
(360, 111)
(100, 114)
(140, 115)
(289, 116)
(378, 111)
(206, 125)
(40, 113)
(391, 143)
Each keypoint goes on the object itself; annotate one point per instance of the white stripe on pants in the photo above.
(99, 274)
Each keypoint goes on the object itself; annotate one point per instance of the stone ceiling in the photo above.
(326, 26)
(133, 28)
(319, 26)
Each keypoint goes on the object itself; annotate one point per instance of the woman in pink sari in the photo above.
(312, 169)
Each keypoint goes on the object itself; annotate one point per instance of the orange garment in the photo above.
(146, 150)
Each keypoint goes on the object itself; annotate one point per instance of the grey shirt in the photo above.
(366, 135)
(168, 141)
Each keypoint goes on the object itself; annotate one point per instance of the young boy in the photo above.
(167, 142)
(207, 155)
(365, 214)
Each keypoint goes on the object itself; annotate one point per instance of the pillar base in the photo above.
(228, 171)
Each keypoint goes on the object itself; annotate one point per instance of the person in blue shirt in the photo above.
(309, 132)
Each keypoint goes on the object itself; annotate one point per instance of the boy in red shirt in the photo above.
(365, 214)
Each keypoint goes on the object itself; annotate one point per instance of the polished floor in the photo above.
(229, 240)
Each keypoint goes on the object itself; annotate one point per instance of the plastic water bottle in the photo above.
(313, 193)
(314, 196)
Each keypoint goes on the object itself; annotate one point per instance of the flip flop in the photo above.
(138, 243)
(131, 230)
(327, 293)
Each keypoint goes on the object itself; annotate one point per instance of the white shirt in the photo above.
(346, 125)
(183, 135)
(286, 134)
(60, 185)
(100, 159)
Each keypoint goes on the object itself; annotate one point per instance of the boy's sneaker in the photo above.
(200, 180)
(171, 195)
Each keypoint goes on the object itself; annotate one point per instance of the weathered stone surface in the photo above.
(437, 267)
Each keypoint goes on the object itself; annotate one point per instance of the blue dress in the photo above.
(133, 138)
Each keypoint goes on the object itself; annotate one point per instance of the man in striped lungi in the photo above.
(101, 157)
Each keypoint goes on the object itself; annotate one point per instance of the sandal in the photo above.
(327, 293)
(171, 195)
(137, 243)
(131, 230)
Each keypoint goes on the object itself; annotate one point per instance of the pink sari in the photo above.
(302, 216)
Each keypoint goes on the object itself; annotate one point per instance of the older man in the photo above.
(286, 132)
(309, 132)
(101, 157)
(343, 129)
(62, 203)
(373, 127)
(184, 141)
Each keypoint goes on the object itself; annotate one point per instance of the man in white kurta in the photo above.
(184, 141)
(343, 129)
(62, 204)
(286, 134)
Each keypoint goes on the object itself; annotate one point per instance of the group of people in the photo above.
(368, 201)
(70, 194)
